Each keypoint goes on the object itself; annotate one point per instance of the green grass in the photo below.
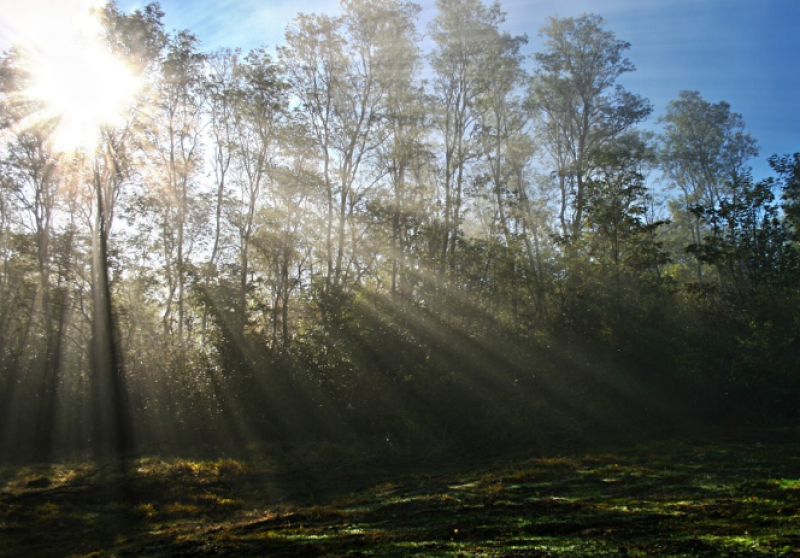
(668, 499)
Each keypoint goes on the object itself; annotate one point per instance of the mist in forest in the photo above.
(355, 241)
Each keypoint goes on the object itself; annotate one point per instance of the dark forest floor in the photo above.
(665, 499)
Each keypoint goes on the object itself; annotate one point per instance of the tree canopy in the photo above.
(356, 240)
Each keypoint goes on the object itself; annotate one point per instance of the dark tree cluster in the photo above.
(351, 241)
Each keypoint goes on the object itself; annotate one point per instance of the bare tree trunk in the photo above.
(112, 421)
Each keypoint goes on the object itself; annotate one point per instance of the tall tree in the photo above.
(138, 38)
(747, 240)
(333, 66)
(223, 116)
(314, 61)
(34, 170)
(465, 33)
(502, 127)
(403, 150)
(260, 110)
(175, 149)
(282, 247)
(504, 151)
(704, 152)
(623, 239)
(581, 106)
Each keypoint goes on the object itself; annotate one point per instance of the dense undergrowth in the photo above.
(676, 498)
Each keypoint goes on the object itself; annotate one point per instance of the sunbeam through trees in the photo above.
(380, 237)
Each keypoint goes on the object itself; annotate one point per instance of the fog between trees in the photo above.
(349, 240)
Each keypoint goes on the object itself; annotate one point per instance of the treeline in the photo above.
(353, 241)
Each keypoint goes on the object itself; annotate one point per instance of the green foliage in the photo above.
(581, 106)
(787, 168)
(703, 152)
(750, 305)
(319, 246)
(748, 243)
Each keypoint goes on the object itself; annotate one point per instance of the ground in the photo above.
(666, 499)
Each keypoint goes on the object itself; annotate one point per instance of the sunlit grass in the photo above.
(665, 500)
(147, 510)
(197, 468)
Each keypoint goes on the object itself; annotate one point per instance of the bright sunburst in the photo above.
(80, 83)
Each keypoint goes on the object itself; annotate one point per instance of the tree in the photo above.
(57, 181)
(314, 62)
(174, 138)
(502, 123)
(703, 151)
(748, 242)
(403, 151)
(333, 68)
(504, 150)
(617, 205)
(14, 105)
(787, 168)
(30, 180)
(615, 284)
(466, 34)
(223, 115)
(138, 38)
(282, 247)
(581, 108)
(33, 169)
(746, 310)
(259, 112)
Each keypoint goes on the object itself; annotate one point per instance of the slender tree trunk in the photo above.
(397, 248)
(286, 290)
(113, 424)
(341, 227)
(244, 261)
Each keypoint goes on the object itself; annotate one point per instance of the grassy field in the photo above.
(666, 499)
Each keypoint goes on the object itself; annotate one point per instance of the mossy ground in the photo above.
(660, 499)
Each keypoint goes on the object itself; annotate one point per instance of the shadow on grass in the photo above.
(677, 499)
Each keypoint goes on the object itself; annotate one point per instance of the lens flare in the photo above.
(79, 82)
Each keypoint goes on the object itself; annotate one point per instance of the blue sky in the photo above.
(745, 52)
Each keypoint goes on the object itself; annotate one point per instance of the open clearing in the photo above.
(662, 499)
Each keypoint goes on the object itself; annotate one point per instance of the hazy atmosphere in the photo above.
(309, 278)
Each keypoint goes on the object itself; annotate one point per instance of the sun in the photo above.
(81, 84)
(85, 89)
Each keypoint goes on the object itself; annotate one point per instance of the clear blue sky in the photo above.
(745, 52)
